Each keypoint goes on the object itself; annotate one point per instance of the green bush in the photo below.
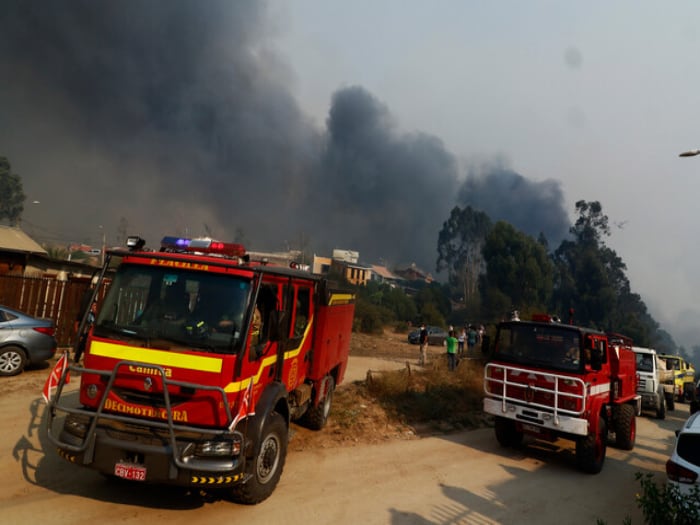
(368, 318)
(664, 504)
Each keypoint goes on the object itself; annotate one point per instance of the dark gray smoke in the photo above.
(533, 207)
(395, 190)
(172, 114)
(177, 116)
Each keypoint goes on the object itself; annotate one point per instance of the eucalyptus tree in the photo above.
(459, 249)
(519, 271)
(11, 194)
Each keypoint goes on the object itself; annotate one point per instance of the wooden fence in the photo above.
(46, 297)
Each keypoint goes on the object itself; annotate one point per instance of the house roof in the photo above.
(14, 239)
(383, 272)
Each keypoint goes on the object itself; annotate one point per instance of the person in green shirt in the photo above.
(451, 350)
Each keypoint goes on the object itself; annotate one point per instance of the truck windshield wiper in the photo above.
(120, 331)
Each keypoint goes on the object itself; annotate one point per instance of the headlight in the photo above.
(91, 391)
(76, 425)
(224, 448)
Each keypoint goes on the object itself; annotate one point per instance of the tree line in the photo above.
(493, 268)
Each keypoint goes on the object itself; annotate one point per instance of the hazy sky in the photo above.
(359, 125)
(601, 96)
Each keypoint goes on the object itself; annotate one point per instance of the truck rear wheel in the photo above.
(670, 402)
(266, 466)
(316, 417)
(689, 392)
(590, 450)
(661, 410)
(506, 432)
(626, 426)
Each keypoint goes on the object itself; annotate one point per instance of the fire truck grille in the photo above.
(149, 399)
(142, 433)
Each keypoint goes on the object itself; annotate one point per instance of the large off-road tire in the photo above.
(626, 426)
(12, 360)
(267, 464)
(590, 449)
(694, 406)
(670, 402)
(661, 409)
(506, 432)
(689, 393)
(316, 417)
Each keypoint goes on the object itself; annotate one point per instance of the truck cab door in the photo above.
(594, 353)
(260, 357)
(298, 308)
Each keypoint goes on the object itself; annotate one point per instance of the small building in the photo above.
(276, 258)
(413, 273)
(17, 251)
(381, 274)
(348, 256)
(321, 265)
(354, 273)
(22, 256)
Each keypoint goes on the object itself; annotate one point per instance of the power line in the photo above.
(44, 234)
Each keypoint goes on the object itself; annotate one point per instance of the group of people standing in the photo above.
(455, 345)
(468, 334)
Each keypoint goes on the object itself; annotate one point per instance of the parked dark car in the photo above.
(24, 340)
(436, 336)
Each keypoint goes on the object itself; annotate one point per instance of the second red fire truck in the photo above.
(553, 380)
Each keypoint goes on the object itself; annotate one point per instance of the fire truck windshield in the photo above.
(555, 347)
(188, 308)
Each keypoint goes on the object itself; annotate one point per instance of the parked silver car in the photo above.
(24, 340)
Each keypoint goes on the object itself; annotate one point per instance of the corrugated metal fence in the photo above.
(46, 297)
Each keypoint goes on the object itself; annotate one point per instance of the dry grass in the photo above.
(402, 404)
(436, 397)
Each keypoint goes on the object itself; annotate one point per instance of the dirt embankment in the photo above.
(355, 417)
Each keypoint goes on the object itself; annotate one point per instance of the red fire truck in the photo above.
(196, 363)
(552, 380)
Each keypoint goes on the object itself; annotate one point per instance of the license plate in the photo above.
(130, 471)
(532, 429)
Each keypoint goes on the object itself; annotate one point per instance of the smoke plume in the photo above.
(178, 117)
(533, 207)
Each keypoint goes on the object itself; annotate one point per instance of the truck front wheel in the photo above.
(316, 417)
(266, 466)
(626, 426)
(506, 432)
(590, 449)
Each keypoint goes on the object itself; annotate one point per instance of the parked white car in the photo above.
(683, 468)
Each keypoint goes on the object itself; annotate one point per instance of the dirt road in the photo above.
(463, 478)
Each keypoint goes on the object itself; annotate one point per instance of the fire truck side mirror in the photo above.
(596, 358)
(485, 344)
